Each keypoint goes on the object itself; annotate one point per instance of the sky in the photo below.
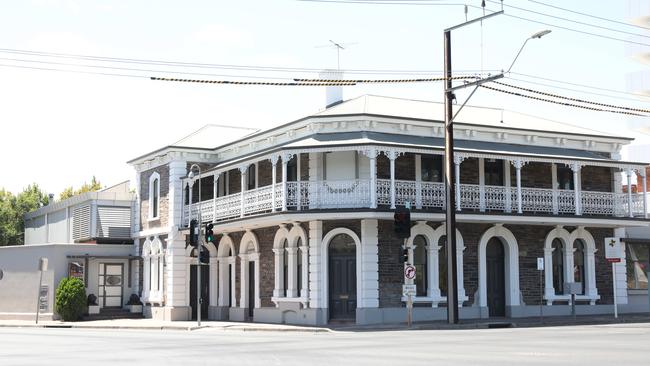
(59, 128)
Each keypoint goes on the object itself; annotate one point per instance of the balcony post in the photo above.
(518, 164)
(481, 184)
(190, 184)
(576, 187)
(298, 191)
(274, 162)
(630, 210)
(372, 154)
(645, 192)
(554, 186)
(215, 191)
(457, 160)
(242, 169)
(392, 155)
(285, 161)
(183, 203)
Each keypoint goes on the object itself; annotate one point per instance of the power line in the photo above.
(214, 66)
(570, 20)
(72, 71)
(561, 103)
(579, 85)
(573, 99)
(588, 15)
(573, 90)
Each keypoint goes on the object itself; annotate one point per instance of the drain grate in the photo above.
(499, 325)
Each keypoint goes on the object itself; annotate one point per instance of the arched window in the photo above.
(558, 266)
(442, 266)
(579, 263)
(299, 268)
(285, 269)
(421, 265)
(154, 195)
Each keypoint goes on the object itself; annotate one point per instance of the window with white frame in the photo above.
(579, 264)
(154, 195)
(421, 263)
(637, 266)
(558, 266)
(291, 264)
(153, 265)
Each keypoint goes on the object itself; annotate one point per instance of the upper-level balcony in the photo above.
(375, 177)
(359, 193)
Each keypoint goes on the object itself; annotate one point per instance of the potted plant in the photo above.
(93, 308)
(134, 305)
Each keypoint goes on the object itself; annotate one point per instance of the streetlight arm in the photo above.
(518, 53)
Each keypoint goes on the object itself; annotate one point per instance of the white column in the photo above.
(418, 181)
(481, 183)
(292, 280)
(214, 285)
(316, 275)
(554, 186)
(242, 169)
(222, 288)
(576, 187)
(369, 264)
(175, 289)
(285, 161)
(232, 261)
(549, 290)
(177, 171)
(630, 208)
(274, 162)
(645, 192)
(518, 164)
(278, 291)
(298, 190)
(243, 281)
(392, 155)
(304, 286)
(256, 258)
(457, 160)
(215, 191)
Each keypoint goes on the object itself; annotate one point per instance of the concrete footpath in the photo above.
(149, 324)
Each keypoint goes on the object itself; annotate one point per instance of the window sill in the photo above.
(278, 300)
(150, 219)
(637, 291)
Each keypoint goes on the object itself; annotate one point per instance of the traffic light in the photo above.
(209, 234)
(194, 233)
(405, 255)
(402, 224)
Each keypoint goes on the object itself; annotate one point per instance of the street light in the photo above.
(537, 35)
(191, 176)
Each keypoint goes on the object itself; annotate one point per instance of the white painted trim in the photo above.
(511, 264)
(590, 262)
(558, 233)
(325, 263)
(249, 238)
(226, 254)
(189, 260)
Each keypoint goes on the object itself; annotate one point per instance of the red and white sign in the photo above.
(409, 272)
(613, 252)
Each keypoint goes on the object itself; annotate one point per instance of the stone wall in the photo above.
(163, 207)
(597, 178)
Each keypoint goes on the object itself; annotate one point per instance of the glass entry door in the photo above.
(111, 277)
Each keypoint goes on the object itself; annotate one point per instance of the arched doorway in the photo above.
(342, 268)
(495, 268)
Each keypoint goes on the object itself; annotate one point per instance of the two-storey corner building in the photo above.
(304, 216)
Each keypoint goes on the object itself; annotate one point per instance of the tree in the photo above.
(93, 186)
(12, 210)
(70, 301)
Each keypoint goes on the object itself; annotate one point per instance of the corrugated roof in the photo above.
(483, 116)
(211, 136)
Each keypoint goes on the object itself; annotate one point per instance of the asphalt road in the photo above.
(577, 345)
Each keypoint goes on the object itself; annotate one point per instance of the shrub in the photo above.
(70, 299)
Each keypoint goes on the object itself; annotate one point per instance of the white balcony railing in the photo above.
(356, 193)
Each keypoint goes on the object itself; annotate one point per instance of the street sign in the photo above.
(409, 272)
(613, 249)
(409, 290)
(540, 264)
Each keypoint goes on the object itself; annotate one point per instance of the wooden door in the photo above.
(496, 291)
(205, 290)
(342, 269)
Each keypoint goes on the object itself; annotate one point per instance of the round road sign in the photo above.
(409, 272)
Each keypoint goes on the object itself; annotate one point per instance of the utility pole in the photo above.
(450, 189)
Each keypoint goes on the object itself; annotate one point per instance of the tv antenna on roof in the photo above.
(339, 46)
